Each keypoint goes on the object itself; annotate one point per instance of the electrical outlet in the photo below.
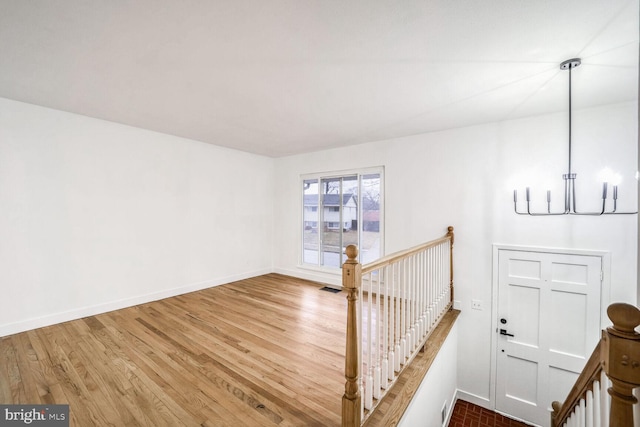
(476, 304)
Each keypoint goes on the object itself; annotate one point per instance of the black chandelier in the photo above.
(570, 206)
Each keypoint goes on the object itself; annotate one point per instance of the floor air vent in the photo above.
(332, 290)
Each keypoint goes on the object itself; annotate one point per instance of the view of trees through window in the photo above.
(338, 212)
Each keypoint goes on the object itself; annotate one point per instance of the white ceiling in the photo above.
(283, 77)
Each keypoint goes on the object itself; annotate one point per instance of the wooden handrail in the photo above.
(390, 259)
(588, 376)
(618, 354)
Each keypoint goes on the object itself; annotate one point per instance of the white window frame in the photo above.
(335, 175)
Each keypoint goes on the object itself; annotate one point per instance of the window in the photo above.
(339, 211)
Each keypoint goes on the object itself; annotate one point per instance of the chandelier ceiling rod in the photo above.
(570, 206)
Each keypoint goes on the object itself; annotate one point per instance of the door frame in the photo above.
(605, 297)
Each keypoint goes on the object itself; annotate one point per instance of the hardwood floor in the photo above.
(258, 352)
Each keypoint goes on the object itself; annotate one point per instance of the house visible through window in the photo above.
(339, 211)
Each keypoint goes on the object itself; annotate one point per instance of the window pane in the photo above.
(310, 222)
(370, 230)
(349, 213)
(331, 232)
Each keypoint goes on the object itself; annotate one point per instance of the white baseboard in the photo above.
(476, 400)
(65, 316)
(452, 404)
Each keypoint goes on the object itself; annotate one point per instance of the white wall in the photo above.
(465, 178)
(437, 389)
(96, 216)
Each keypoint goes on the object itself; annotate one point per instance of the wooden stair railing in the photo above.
(406, 294)
(618, 356)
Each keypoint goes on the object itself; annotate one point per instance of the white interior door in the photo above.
(548, 325)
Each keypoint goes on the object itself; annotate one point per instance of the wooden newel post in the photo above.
(450, 234)
(351, 400)
(622, 361)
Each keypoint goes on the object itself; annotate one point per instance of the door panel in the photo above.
(524, 268)
(549, 314)
(572, 320)
(522, 384)
(524, 300)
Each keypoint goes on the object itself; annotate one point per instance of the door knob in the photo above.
(504, 332)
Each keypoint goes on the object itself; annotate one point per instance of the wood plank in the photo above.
(12, 378)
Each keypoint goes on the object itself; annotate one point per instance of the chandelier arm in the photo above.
(621, 213)
(547, 214)
(529, 213)
(615, 205)
(575, 209)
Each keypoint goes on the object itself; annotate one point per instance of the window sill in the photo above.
(337, 271)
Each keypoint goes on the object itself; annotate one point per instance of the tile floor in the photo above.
(467, 414)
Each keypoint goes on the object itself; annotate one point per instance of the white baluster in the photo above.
(412, 305)
(423, 295)
(636, 408)
(384, 373)
(597, 402)
(417, 316)
(427, 284)
(423, 289)
(402, 312)
(589, 409)
(376, 383)
(605, 401)
(388, 366)
(369, 345)
(360, 308)
(438, 283)
(378, 327)
(434, 286)
(443, 278)
(368, 392)
(396, 303)
(384, 368)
